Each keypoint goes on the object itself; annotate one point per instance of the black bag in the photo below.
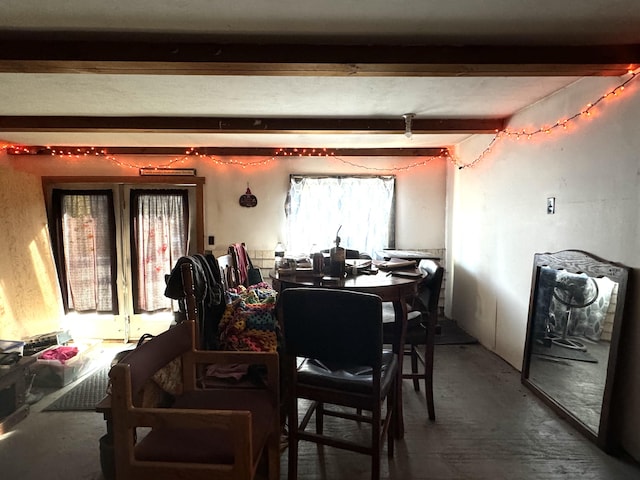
(254, 275)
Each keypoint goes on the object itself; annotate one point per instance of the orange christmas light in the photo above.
(562, 124)
(587, 112)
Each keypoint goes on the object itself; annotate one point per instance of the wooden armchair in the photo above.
(213, 432)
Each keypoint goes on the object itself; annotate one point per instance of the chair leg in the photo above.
(428, 379)
(392, 428)
(274, 457)
(414, 368)
(430, 405)
(320, 418)
(293, 441)
(376, 441)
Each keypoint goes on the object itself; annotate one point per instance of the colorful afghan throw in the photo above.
(249, 321)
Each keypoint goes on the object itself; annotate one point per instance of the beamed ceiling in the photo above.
(248, 77)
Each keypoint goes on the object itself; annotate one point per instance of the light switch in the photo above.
(551, 205)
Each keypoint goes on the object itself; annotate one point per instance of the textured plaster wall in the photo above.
(499, 220)
(29, 294)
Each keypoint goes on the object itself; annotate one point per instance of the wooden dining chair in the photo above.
(334, 358)
(422, 322)
(227, 272)
(224, 431)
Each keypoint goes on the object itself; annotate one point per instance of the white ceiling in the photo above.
(505, 23)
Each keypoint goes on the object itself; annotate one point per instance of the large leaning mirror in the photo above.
(575, 315)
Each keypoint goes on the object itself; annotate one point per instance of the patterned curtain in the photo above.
(160, 238)
(364, 206)
(88, 251)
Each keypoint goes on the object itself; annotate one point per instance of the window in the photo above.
(158, 239)
(114, 239)
(86, 249)
(362, 207)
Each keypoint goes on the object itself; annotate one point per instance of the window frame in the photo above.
(49, 183)
(392, 211)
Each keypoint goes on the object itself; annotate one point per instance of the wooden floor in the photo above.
(488, 427)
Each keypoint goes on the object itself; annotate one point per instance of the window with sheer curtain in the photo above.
(86, 248)
(362, 207)
(86, 253)
(160, 226)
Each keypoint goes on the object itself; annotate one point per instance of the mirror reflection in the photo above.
(572, 325)
(573, 331)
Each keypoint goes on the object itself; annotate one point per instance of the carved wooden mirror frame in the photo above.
(576, 264)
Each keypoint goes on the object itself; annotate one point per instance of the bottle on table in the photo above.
(278, 255)
(337, 258)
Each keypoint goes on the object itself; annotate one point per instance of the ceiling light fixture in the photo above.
(408, 117)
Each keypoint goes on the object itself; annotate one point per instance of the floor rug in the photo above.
(452, 334)
(85, 395)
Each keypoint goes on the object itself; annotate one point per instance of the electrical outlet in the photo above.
(551, 205)
(212, 240)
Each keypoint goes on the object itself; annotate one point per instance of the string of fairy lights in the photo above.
(282, 153)
(563, 124)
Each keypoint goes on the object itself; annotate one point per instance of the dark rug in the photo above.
(452, 334)
(85, 395)
(555, 351)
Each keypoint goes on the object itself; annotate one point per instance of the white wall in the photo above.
(420, 196)
(498, 218)
(420, 192)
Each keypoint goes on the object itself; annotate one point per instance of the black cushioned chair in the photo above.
(334, 356)
(421, 328)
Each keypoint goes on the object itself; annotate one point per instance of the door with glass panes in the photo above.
(114, 245)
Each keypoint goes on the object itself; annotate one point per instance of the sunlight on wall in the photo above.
(30, 302)
(5, 307)
(43, 271)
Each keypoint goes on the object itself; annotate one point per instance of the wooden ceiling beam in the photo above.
(143, 57)
(232, 151)
(229, 125)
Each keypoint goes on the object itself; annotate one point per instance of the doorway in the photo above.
(113, 242)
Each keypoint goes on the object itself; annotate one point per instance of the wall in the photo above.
(498, 219)
(27, 285)
(29, 295)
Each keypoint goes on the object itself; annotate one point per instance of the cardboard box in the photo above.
(54, 373)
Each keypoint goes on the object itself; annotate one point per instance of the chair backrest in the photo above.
(227, 272)
(430, 286)
(240, 259)
(332, 325)
(154, 354)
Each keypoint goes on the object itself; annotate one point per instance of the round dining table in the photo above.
(393, 286)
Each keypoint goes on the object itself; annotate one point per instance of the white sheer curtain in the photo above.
(88, 249)
(160, 239)
(317, 206)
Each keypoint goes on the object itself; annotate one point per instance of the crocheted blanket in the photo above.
(249, 321)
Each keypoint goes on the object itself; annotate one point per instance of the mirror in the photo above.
(575, 315)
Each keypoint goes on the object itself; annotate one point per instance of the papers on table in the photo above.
(396, 264)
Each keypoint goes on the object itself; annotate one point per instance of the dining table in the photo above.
(395, 286)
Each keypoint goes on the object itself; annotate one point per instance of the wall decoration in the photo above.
(248, 199)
